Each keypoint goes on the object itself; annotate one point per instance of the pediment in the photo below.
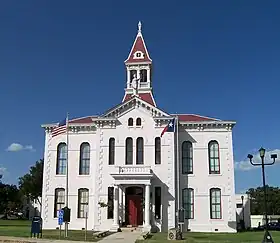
(134, 103)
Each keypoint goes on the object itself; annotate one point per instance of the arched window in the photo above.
(111, 151)
(187, 157)
(132, 74)
(215, 203)
(128, 151)
(59, 200)
(140, 151)
(188, 202)
(61, 159)
(138, 121)
(143, 75)
(83, 198)
(157, 151)
(214, 157)
(84, 159)
(130, 122)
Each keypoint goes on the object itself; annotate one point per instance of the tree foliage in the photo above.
(31, 183)
(257, 200)
(10, 198)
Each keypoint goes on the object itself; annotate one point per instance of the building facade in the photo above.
(122, 172)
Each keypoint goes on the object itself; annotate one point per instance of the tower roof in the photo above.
(138, 52)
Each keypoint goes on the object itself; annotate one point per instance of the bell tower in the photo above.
(139, 69)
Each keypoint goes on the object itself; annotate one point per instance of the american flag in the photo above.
(60, 128)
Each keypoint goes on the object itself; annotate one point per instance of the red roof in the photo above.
(194, 118)
(144, 96)
(138, 45)
(87, 119)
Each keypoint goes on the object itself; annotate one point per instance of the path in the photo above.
(124, 237)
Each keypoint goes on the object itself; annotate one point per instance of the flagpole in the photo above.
(67, 171)
(178, 167)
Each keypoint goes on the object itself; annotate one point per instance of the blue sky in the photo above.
(214, 58)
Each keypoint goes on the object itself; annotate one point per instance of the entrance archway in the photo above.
(134, 205)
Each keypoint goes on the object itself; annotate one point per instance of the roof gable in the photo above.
(131, 103)
(148, 97)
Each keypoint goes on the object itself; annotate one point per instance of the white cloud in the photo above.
(246, 165)
(15, 147)
(3, 171)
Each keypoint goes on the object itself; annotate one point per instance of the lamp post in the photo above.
(243, 214)
(267, 237)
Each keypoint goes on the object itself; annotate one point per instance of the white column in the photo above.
(128, 78)
(149, 76)
(147, 225)
(116, 208)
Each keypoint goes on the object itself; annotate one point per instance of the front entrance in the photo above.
(134, 209)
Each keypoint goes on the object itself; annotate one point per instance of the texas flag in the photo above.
(169, 128)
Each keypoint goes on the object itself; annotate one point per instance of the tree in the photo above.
(257, 200)
(10, 198)
(31, 183)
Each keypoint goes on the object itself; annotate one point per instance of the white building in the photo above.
(121, 167)
(243, 210)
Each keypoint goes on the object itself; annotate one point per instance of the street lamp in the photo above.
(267, 237)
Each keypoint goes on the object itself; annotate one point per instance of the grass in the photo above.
(191, 237)
(21, 228)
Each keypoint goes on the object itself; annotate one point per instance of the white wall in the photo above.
(100, 173)
(201, 181)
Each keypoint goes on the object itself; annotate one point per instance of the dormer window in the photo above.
(138, 55)
(130, 122)
(138, 121)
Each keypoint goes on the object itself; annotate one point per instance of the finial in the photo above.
(139, 27)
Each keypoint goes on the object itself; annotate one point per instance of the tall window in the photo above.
(215, 203)
(84, 159)
(61, 160)
(111, 151)
(187, 157)
(59, 200)
(157, 202)
(110, 202)
(83, 198)
(140, 151)
(157, 151)
(128, 151)
(130, 122)
(214, 157)
(132, 74)
(138, 121)
(143, 75)
(188, 202)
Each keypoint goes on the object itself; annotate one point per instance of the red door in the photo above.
(135, 213)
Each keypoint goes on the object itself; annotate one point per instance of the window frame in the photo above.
(187, 157)
(112, 150)
(188, 205)
(214, 157)
(61, 159)
(157, 150)
(139, 151)
(138, 122)
(130, 122)
(82, 213)
(84, 164)
(128, 151)
(56, 197)
(214, 214)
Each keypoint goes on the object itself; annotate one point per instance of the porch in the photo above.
(132, 185)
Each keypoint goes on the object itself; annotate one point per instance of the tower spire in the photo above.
(139, 27)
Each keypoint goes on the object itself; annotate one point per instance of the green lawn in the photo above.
(21, 228)
(191, 237)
